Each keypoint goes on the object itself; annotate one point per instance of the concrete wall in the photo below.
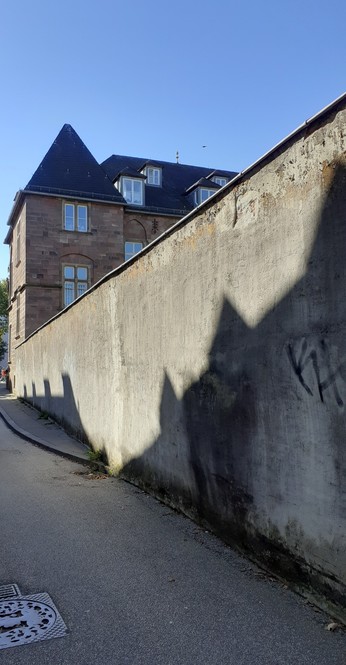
(212, 369)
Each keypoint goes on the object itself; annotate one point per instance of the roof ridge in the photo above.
(147, 160)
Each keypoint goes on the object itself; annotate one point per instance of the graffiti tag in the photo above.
(304, 356)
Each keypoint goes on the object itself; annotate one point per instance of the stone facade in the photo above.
(40, 247)
(144, 228)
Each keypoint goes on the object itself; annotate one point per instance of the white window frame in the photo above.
(73, 220)
(200, 194)
(74, 284)
(130, 199)
(220, 180)
(153, 176)
(132, 247)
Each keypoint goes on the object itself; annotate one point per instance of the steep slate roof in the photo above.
(176, 180)
(204, 182)
(69, 169)
(130, 173)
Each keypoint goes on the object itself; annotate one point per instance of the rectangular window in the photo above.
(220, 181)
(153, 176)
(76, 217)
(132, 191)
(202, 194)
(69, 217)
(76, 282)
(132, 248)
(82, 218)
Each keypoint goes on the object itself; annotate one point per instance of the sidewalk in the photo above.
(29, 424)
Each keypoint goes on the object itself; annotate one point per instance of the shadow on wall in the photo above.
(62, 408)
(265, 424)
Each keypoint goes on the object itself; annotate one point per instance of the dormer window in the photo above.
(201, 190)
(219, 180)
(202, 194)
(132, 190)
(153, 176)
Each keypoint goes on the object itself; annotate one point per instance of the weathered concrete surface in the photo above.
(213, 368)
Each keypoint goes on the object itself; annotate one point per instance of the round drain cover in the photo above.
(22, 621)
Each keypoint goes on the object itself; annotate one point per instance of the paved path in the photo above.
(136, 583)
(30, 424)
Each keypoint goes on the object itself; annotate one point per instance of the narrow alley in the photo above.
(137, 583)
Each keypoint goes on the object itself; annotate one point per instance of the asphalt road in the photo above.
(135, 582)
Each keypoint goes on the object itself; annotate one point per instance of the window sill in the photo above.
(85, 233)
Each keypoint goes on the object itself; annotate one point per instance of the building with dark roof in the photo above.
(77, 219)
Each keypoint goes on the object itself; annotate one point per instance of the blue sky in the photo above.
(150, 78)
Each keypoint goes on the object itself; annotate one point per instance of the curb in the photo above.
(39, 442)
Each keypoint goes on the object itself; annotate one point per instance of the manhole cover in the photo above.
(29, 619)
